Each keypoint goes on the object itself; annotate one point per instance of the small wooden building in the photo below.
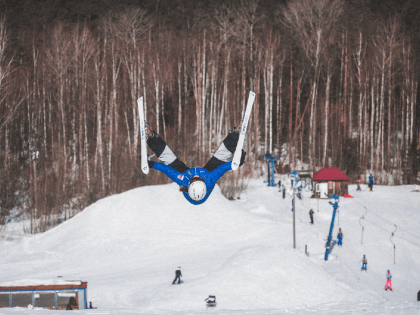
(54, 295)
(330, 181)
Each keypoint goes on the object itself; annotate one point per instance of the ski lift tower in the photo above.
(270, 168)
(335, 206)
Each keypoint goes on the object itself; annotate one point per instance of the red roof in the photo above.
(330, 173)
(44, 287)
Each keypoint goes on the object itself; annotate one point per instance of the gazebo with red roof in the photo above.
(330, 181)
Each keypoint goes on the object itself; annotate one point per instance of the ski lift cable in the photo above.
(362, 217)
(392, 235)
(400, 237)
(397, 236)
(392, 241)
(372, 212)
(363, 228)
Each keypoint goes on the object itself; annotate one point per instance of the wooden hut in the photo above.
(330, 181)
(54, 295)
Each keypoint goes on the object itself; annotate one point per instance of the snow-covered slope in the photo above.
(128, 246)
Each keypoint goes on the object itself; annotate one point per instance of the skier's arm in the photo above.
(174, 175)
(220, 171)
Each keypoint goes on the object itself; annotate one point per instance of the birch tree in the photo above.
(131, 27)
(312, 22)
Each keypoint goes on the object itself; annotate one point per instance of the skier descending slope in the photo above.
(195, 183)
(388, 281)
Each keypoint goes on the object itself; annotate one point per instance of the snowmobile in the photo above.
(211, 301)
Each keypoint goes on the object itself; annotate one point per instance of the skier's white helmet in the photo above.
(197, 189)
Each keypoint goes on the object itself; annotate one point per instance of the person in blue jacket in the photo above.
(364, 263)
(340, 237)
(370, 182)
(196, 183)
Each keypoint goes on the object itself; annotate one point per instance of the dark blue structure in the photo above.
(270, 167)
(335, 206)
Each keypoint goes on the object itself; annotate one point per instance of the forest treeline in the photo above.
(336, 86)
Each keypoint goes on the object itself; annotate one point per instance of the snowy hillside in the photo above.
(128, 246)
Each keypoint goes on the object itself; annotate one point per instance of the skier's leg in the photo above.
(164, 153)
(225, 151)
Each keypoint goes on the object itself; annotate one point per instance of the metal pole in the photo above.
(294, 219)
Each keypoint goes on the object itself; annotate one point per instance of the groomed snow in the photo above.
(128, 246)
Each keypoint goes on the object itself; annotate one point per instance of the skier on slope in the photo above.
(196, 184)
(370, 181)
(388, 281)
(364, 263)
(359, 182)
(311, 215)
(340, 237)
(178, 276)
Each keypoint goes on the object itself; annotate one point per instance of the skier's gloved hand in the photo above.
(242, 158)
(151, 163)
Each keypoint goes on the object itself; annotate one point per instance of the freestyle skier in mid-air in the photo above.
(195, 183)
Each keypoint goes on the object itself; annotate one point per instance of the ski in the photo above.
(238, 152)
(144, 164)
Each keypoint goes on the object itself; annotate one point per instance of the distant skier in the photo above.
(359, 182)
(364, 263)
(311, 215)
(279, 183)
(178, 276)
(195, 183)
(340, 237)
(388, 281)
(284, 192)
(416, 188)
(370, 182)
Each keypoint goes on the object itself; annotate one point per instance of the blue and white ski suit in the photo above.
(183, 179)
(178, 172)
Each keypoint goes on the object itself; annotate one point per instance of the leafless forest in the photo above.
(336, 86)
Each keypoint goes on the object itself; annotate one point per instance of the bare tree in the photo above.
(7, 109)
(313, 23)
(60, 56)
(131, 27)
